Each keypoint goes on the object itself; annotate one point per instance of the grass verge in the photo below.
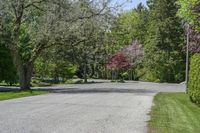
(34, 83)
(174, 113)
(18, 94)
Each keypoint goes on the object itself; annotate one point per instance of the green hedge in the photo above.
(194, 79)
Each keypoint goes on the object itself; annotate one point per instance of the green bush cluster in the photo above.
(194, 79)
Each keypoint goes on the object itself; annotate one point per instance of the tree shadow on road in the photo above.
(98, 90)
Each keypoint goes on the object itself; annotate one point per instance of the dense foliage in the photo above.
(28, 27)
(194, 42)
(130, 27)
(194, 80)
(160, 32)
(118, 62)
(7, 69)
(62, 39)
(164, 43)
(189, 11)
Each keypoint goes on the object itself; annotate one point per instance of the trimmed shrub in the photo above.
(194, 79)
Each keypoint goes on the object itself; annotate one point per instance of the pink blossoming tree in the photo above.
(118, 62)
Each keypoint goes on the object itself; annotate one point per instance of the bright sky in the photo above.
(131, 4)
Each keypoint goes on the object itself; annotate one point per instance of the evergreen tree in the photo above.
(164, 43)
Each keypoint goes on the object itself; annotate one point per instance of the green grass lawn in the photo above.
(5, 84)
(174, 113)
(33, 84)
(18, 94)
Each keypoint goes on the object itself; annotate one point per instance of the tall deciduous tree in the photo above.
(33, 25)
(130, 26)
(189, 12)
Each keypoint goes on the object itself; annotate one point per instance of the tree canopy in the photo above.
(30, 26)
(190, 12)
(60, 39)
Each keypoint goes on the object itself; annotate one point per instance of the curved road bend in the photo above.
(90, 108)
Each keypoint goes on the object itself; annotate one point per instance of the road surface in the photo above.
(90, 108)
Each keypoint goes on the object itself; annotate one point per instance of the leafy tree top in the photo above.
(190, 12)
(194, 45)
(133, 52)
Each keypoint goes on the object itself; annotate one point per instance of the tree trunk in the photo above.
(92, 70)
(85, 72)
(25, 73)
(24, 70)
(112, 75)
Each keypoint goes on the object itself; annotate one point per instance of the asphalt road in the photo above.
(89, 108)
